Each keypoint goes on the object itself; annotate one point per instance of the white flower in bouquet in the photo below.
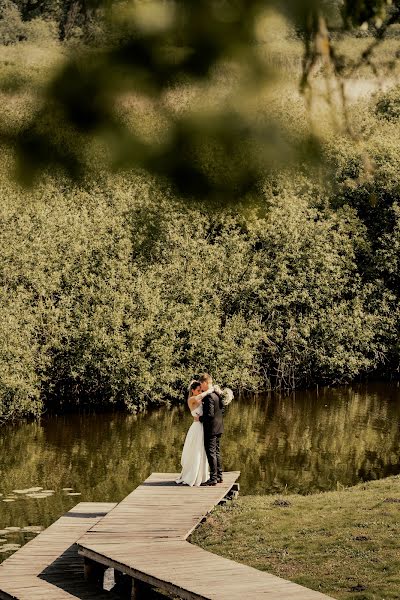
(225, 394)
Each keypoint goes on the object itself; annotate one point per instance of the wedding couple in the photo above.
(201, 456)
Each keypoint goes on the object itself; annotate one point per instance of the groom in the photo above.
(213, 423)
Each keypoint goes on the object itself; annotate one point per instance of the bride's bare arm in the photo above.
(197, 400)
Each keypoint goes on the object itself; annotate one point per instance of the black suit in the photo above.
(213, 422)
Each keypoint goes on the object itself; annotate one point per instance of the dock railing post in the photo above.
(129, 587)
(93, 572)
(138, 591)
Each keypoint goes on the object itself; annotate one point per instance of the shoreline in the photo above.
(170, 403)
(343, 543)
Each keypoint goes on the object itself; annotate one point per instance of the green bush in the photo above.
(124, 293)
(12, 28)
(41, 31)
(388, 105)
(366, 174)
(115, 292)
(19, 380)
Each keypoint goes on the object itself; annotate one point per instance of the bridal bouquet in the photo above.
(225, 394)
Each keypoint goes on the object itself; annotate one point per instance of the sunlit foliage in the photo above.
(148, 48)
(115, 289)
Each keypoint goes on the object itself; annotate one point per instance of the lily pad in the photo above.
(33, 489)
(8, 499)
(9, 547)
(67, 489)
(12, 529)
(74, 494)
(32, 529)
(38, 495)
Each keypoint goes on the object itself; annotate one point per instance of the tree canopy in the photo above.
(116, 289)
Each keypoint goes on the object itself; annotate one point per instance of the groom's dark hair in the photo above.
(195, 384)
(205, 377)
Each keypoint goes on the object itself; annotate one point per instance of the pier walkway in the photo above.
(144, 539)
(49, 567)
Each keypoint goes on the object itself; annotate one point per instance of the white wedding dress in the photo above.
(195, 469)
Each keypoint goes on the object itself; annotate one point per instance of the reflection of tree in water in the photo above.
(317, 441)
(303, 442)
(101, 456)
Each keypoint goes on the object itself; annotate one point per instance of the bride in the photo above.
(195, 469)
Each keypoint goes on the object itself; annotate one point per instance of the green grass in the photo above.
(343, 543)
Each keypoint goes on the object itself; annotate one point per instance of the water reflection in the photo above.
(302, 443)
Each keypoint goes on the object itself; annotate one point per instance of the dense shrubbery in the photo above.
(38, 21)
(116, 292)
(388, 105)
(12, 29)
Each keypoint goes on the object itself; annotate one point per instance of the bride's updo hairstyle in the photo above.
(194, 385)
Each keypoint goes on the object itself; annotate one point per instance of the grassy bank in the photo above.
(344, 543)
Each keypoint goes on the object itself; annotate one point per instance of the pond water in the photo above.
(304, 442)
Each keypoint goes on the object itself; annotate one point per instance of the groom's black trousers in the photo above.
(211, 444)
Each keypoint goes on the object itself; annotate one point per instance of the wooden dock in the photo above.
(49, 566)
(144, 539)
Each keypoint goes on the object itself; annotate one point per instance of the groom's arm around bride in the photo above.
(212, 418)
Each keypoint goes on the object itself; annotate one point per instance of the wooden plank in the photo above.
(145, 537)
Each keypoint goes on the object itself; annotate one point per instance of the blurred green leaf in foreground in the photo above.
(218, 148)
